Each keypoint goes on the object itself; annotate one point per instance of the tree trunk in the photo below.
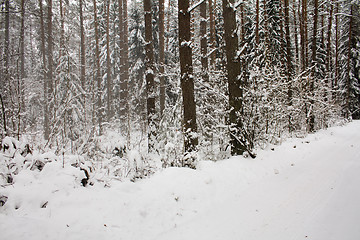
(336, 79)
(108, 64)
(187, 81)
(289, 67)
(328, 53)
(22, 41)
(203, 42)
(98, 70)
(161, 56)
(22, 63)
(304, 36)
(296, 42)
(62, 31)
(6, 42)
(257, 22)
(125, 50)
(168, 17)
(50, 62)
(82, 49)
(314, 60)
(235, 86)
(44, 71)
(149, 75)
(212, 5)
(348, 83)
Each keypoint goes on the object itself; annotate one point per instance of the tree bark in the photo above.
(304, 36)
(203, 42)
(7, 37)
(257, 22)
(314, 60)
(98, 70)
(44, 72)
(296, 42)
(187, 81)
(149, 75)
(62, 31)
(108, 64)
(328, 53)
(22, 41)
(336, 79)
(235, 86)
(348, 83)
(161, 56)
(50, 63)
(82, 49)
(22, 62)
(125, 50)
(289, 67)
(212, 5)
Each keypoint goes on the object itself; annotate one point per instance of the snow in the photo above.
(306, 188)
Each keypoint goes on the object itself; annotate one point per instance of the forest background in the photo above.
(175, 81)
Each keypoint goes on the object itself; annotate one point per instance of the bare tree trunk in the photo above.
(82, 49)
(62, 31)
(187, 81)
(6, 79)
(336, 79)
(203, 42)
(44, 71)
(50, 62)
(108, 64)
(235, 86)
(314, 60)
(212, 5)
(328, 52)
(161, 56)
(296, 42)
(22, 41)
(21, 97)
(123, 83)
(348, 87)
(168, 17)
(3, 116)
(6, 42)
(289, 67)
(98, 70)
(125, 50)
(149, 75)
(304, 36)
(257, 22)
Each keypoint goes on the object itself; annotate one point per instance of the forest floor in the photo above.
(306, 188)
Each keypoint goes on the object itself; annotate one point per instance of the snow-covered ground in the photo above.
(304, 189)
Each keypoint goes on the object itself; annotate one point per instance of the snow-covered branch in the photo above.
(191, 8)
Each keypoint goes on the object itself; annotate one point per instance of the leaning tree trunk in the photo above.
(187, 82)
(235, 86)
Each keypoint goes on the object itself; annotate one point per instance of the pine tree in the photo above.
(150, 75)
(187, 83)
(235, 86)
